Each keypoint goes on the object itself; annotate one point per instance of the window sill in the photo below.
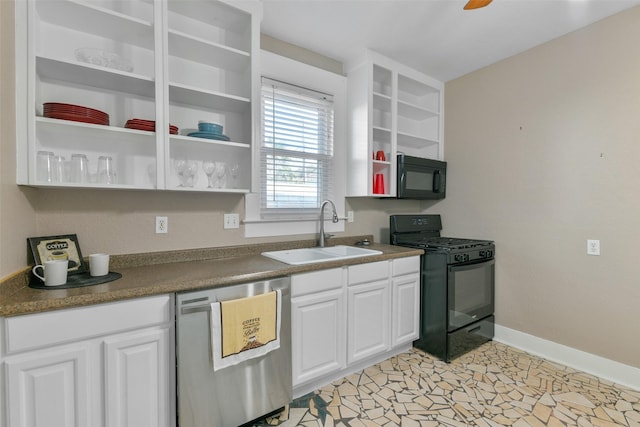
(288, 227)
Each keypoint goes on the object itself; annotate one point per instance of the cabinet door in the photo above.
(137, 372)
(49, 388)
(406, 309)
(318, 335)
(368, 320)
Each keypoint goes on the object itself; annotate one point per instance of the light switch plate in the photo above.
(350, 216)
(231, 220)
(593, 247)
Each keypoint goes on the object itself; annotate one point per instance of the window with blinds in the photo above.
(296, 153)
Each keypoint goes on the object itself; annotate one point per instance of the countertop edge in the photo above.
(184, 274)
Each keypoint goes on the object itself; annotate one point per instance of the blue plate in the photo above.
(209, 135)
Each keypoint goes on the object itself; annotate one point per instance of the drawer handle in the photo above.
(477, 328)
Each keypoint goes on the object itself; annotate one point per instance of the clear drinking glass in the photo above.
(221, 171)
(44, 166)
(209, 167)
(233, 170)
(106, 170)
(151, 173)
(79, 168)
(180, 165)
(57, 170)
(190, 173)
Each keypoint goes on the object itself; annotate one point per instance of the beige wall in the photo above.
(17, 216)
(544, 153)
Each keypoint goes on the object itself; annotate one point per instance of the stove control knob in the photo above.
(486, 254)
(461, 257)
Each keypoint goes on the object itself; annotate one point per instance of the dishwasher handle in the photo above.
(200, 302)
(195, 309)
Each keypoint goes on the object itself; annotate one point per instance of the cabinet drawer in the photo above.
(316, 281)
(55, 327)
(406, 265)
(369, 272)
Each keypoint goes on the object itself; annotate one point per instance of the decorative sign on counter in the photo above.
(58, 247)
(64, 247)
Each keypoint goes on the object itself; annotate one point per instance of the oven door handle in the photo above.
(473, 266)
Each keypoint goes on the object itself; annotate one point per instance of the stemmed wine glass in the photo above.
(221, 170)
(209, 168)
(180, 165)
(190, 173)
(234, 174)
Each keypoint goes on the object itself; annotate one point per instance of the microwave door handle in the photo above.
(436, 181)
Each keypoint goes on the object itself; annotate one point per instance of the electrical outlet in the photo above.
(593, 247)
(162, 225)
(231, 221)
(350, 216)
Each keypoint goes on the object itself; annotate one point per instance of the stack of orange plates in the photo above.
(77, 113)
(148, 125)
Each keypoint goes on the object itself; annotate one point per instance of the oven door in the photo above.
(470, 293)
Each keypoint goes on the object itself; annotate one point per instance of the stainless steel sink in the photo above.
(313, 255)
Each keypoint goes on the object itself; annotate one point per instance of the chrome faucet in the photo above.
(335, 219)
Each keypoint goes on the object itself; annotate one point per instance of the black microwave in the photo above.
(421, 179)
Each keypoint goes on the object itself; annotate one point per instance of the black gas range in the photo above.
(457, 285)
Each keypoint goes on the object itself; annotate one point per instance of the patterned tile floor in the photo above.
(494, 385)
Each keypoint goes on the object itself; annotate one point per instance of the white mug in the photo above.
(55, 272)
(99, 264)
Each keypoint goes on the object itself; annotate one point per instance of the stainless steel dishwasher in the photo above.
(237, 394)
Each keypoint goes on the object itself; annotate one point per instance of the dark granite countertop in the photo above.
(177, 271)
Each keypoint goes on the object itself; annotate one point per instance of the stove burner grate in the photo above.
(445, 242)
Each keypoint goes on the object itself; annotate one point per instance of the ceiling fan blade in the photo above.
(476, 4)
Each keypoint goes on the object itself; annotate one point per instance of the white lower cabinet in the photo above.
(368, 310)
(406, 300)
(343, 319)
(104, 365)
(136, 379)
(318, 324)
(49, 388)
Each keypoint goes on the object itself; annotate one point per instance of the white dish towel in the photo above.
(220, 362)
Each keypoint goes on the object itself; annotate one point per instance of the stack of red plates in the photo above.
(148, 125)
(77, 113)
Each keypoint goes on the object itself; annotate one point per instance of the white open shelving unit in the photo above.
(393, 109)
(192, 60)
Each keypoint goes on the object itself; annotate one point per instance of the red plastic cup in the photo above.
(380, 156)
(378, 184)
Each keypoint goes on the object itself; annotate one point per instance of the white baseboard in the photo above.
(607, 369)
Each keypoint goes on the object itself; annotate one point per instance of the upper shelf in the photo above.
(200, 50)
(183, 94)
(94, 76)
(96, 20)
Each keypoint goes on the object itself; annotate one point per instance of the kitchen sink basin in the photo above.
(312, 255)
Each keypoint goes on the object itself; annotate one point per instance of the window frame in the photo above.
(284, 69)
(323, 156)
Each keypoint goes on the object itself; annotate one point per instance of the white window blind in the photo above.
(296, 153)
